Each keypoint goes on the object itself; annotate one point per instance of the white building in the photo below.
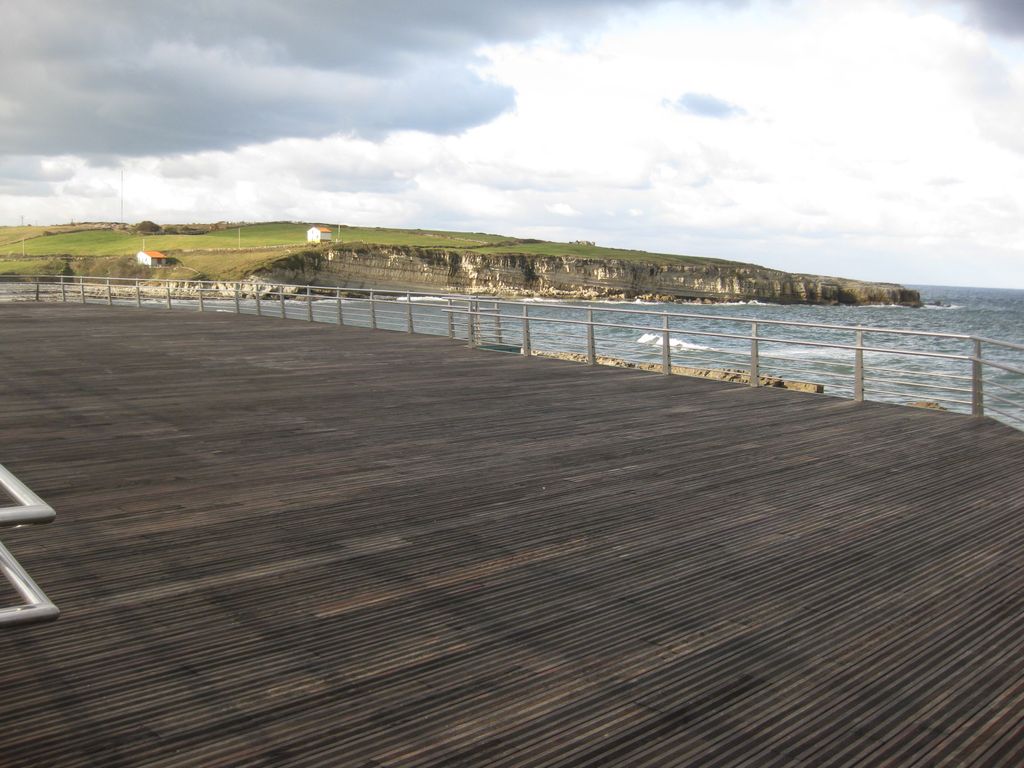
(151, 258)
(318, 235)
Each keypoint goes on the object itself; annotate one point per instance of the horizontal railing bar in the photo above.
(921, 385)
(936, 398)
(1004, 387)
(1009, 417)
(842, 363)
(999, 398)
(904, 371)
(843, 375)
(998, 343)
(1003, 366)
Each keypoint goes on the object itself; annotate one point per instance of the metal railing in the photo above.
(956, 372)
(29, 509)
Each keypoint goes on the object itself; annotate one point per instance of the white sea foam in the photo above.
(880, 306)
(423, 299)
(631, 302)
(655, 338)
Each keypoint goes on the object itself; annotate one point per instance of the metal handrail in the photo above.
(485, 320)
(381, 293)
(29, 510)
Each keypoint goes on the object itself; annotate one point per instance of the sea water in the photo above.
(705, 337)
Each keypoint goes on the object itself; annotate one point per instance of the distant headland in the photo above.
(417, 260)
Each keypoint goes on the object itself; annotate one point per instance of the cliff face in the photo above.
(421, 269)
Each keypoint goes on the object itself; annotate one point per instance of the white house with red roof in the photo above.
(151, 258)
(318, 235)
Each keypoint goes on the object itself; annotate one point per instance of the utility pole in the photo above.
(122, 197)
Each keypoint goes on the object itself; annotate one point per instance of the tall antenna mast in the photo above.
(122, 197)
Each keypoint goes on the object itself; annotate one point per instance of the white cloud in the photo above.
(873, 140)
(562, 209)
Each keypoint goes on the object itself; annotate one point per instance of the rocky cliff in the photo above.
(509, 274)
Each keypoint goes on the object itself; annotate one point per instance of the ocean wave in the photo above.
(655, 338)
(631, 302)
(423, 299)
(879, 306)
(943, 306)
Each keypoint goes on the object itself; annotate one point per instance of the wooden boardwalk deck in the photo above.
(290, 544)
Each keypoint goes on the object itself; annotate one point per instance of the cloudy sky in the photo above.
(881, 140)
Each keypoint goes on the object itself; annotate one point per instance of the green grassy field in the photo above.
(11, 237)
(116, 242)
(26, 267)
(235, 252)
(595, 252)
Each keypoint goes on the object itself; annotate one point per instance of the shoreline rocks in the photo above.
(717, 374)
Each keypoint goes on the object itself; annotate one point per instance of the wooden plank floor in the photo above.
(290, 544)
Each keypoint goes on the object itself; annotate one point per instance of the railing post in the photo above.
(977, 382)
(81, 286)
(309, 304)
(259, 304)
(138, 294)
(498, 323)
(373, 311)
(63, 290)
(238, 303)
(280, 295)
(202, 308)
(591, 345)
(526, 331)
(167, 287)
(755, 360)
(469, 323)
(341, 317)
(37, 290)
(408, 312)
(110, 296)
(451, 320)
(858, 368)
(666, 348)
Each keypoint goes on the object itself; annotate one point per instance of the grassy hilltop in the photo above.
(232, 252)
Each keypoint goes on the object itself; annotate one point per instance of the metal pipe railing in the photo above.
(551, 327)
(29, 509)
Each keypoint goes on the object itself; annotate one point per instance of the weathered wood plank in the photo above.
(283, 543)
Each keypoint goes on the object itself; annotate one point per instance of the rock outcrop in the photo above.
(508, 274)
